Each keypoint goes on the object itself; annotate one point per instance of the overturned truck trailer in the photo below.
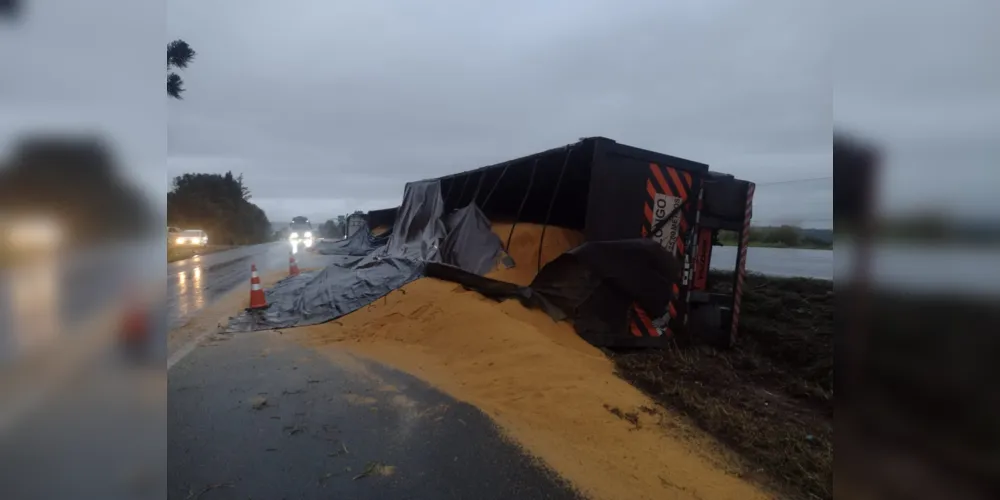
(640, 277)
(382, 218)
(617, 193)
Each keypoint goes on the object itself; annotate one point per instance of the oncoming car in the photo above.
(300, 231)
(28, 237)
(190, 238)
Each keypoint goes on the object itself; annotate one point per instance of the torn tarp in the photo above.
(471, 244)
(597, 286)
(359, 244)
(422, 233)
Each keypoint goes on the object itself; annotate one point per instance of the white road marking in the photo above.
(186, 349)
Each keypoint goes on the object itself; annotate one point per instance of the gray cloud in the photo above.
(72, 67)
(326, 108)
(919, 78)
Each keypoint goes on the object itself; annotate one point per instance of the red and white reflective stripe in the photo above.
(742, 261)
(689, 271)
(254, 287)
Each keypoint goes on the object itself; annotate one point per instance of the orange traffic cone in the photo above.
(134, 332)
(293, 267)
(135, 324)
(257, 300)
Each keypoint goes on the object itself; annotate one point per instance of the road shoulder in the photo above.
(181, 341)
(259, 415)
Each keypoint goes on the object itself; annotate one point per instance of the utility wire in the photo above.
(793, 180)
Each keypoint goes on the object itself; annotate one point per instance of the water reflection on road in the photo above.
(45, 300)
(195, 283)
(190, 291)
(32, 309)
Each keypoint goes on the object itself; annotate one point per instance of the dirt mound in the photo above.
(524, 246)
(547, 388)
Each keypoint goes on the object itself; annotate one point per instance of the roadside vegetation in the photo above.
(770, 398)
(334, 228)
(783, 237)
(337, 227)
(179, 55)
(218, 204)
(76, 182)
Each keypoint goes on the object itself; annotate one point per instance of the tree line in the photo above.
(334, 228)
(220, 205)
(782, 236)
(337, 227)
(79, 183)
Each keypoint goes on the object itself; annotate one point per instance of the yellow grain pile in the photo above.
(547, 388)
(524, 245)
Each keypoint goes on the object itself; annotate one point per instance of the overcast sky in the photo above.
(327, 107)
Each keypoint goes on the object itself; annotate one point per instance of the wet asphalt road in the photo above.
(320, 421)
(194, 283)
(100, 435)
(260, 416)
(42, 300)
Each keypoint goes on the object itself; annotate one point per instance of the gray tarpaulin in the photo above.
(422, 233)
(359, 244)
(471, 244)
(594, 285)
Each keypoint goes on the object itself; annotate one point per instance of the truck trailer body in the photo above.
(610, 191)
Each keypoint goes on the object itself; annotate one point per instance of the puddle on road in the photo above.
(224, 265)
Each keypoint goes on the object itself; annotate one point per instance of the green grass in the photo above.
(773, 244)
(782, 237)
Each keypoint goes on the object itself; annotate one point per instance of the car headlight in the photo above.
(32, 233)
(293, 235)
(180, 241)
(309, 234)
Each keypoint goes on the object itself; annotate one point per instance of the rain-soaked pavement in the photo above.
(193, 284)
(44, 299)
(102, 434)
(256, 415)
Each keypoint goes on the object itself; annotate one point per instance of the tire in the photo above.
(705, 324)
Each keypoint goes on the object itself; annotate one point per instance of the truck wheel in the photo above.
(705, 325)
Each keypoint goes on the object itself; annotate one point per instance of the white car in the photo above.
(29, 236)
(190, 238)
